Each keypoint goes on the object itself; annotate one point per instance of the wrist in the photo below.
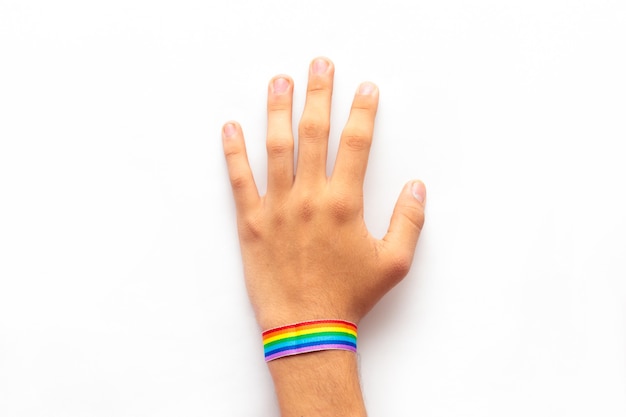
(282, 315)
(318, 384)
(309, 336)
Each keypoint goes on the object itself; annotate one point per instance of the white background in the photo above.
(120, 280)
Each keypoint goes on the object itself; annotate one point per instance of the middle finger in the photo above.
(315, 123)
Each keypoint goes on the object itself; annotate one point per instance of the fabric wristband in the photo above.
(309, 336)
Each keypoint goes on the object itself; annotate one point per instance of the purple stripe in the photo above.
(316, 348)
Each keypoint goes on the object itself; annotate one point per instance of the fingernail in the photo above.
(229, 130)
(320, 66)
(280, 85)
(366, 89)
(419, 191)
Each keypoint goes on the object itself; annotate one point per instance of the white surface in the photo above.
(120, 278)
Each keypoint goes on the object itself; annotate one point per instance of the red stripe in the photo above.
(308, 325)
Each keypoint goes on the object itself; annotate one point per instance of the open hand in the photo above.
(306, 251)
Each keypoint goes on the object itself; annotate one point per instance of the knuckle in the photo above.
(357, 140)
(276, 106)
(415, 217)
(238, 182)
(314, 129)
(362, 105)
(306, 208)
(343, 207)
(398, 265)
(250, 229)
(279, 218)
(320, 87)
(231, 152)
(279, 147)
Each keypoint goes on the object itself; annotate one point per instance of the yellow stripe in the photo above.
(297, 332)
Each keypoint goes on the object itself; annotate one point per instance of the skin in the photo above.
(306, 250)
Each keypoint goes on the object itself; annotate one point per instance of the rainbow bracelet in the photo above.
(309, 336)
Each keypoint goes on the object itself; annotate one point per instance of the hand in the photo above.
(306, 251)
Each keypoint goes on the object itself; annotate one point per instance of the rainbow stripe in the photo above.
(309, 336)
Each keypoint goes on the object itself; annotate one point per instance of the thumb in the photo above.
(407, 221)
